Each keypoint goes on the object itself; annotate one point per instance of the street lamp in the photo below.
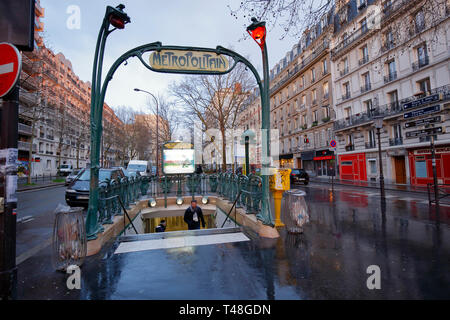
(378, 123)
(257, 30)
(157, 127)
(116, 18)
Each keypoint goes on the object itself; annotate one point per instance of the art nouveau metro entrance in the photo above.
(178, 60)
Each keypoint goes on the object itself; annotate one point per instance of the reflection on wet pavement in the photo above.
(348, 232)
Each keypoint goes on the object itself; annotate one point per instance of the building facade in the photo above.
(54, 112)
(301, 102)
(390, 59)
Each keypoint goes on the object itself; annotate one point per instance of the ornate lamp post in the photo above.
(257, 30)
(157, 127)
(116, 18)
(378, 123)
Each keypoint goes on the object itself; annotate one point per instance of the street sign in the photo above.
(10, 67)
(189, 61)
(419, 102)
(424, 132)
(422, 112)
(17, 19)
(423, 122)
(333, 143)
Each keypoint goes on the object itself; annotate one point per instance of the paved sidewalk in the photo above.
(38, 183)
(373, 185)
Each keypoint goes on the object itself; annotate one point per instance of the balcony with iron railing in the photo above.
(396, 141)
(363, 60)
(353, 38)
(386, 110)
(366, 87)
(350, 147)
(390, 77)
(388, 45)
(371, 144)
(24, 129)
(420, 63)
(346, 96)
(344, 71)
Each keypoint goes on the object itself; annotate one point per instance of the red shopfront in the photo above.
(353, 167)
(421, 166)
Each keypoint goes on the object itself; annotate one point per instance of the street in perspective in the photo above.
(225, 151)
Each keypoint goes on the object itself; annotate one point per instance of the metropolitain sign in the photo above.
(189, 60)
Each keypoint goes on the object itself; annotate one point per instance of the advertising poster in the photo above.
(178, 161)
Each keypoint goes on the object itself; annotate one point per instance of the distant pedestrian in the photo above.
(199, 170)
(161, 227)
(193, 215)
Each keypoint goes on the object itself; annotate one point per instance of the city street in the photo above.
(231, 150)
(348, 231)
(35, 215)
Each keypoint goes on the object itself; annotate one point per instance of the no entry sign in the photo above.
(10, 67)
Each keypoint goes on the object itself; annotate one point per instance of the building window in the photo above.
(324, 66)
(348, 112)
(346, 90)
(368, 106)
(366, 82)
(314, 96)
(371, 139)
(315, 115)
(313, 75)
(419, 21)
(325, 90)
(364, 55)
(397, 131)
(363, 25)
(393, 100)
(421, 169)
(424, 85)
(373, 166)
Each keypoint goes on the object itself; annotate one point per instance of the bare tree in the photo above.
(134, 140)
(215, 101)
(292, 15)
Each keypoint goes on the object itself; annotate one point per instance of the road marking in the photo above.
(25, 219)
(6, 68)
(29, 253)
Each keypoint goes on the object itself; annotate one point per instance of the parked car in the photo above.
(77, 194)
(299, 176)
(65, 169)
(128, 173)
(72, 176)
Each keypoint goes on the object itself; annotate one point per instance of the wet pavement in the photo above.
(349, 231)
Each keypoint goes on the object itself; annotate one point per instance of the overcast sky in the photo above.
(202, 23)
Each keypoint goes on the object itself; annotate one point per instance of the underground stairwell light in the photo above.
(179, 201)
(205, 199)
(257, 30)
(152, 202)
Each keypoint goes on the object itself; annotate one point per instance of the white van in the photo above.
(140, 166)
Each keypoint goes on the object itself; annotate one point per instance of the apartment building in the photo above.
(301, 102)
(54, 112)
(390, 59)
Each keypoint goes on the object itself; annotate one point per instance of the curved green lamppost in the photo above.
(116, 18)
(98, 97)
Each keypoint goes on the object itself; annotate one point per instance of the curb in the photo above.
(369, 187)
(40, 187)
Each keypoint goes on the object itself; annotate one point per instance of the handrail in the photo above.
(124, 210)
(234, 204)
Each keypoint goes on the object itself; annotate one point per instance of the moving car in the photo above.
(77, 194)
(299, 176)
(141, 166)
(72, 176)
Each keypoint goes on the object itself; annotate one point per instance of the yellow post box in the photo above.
(279, 182)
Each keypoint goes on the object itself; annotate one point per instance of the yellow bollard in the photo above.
(279, 182)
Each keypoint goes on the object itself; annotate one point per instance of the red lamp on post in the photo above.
(118, 18)
(257, 30)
